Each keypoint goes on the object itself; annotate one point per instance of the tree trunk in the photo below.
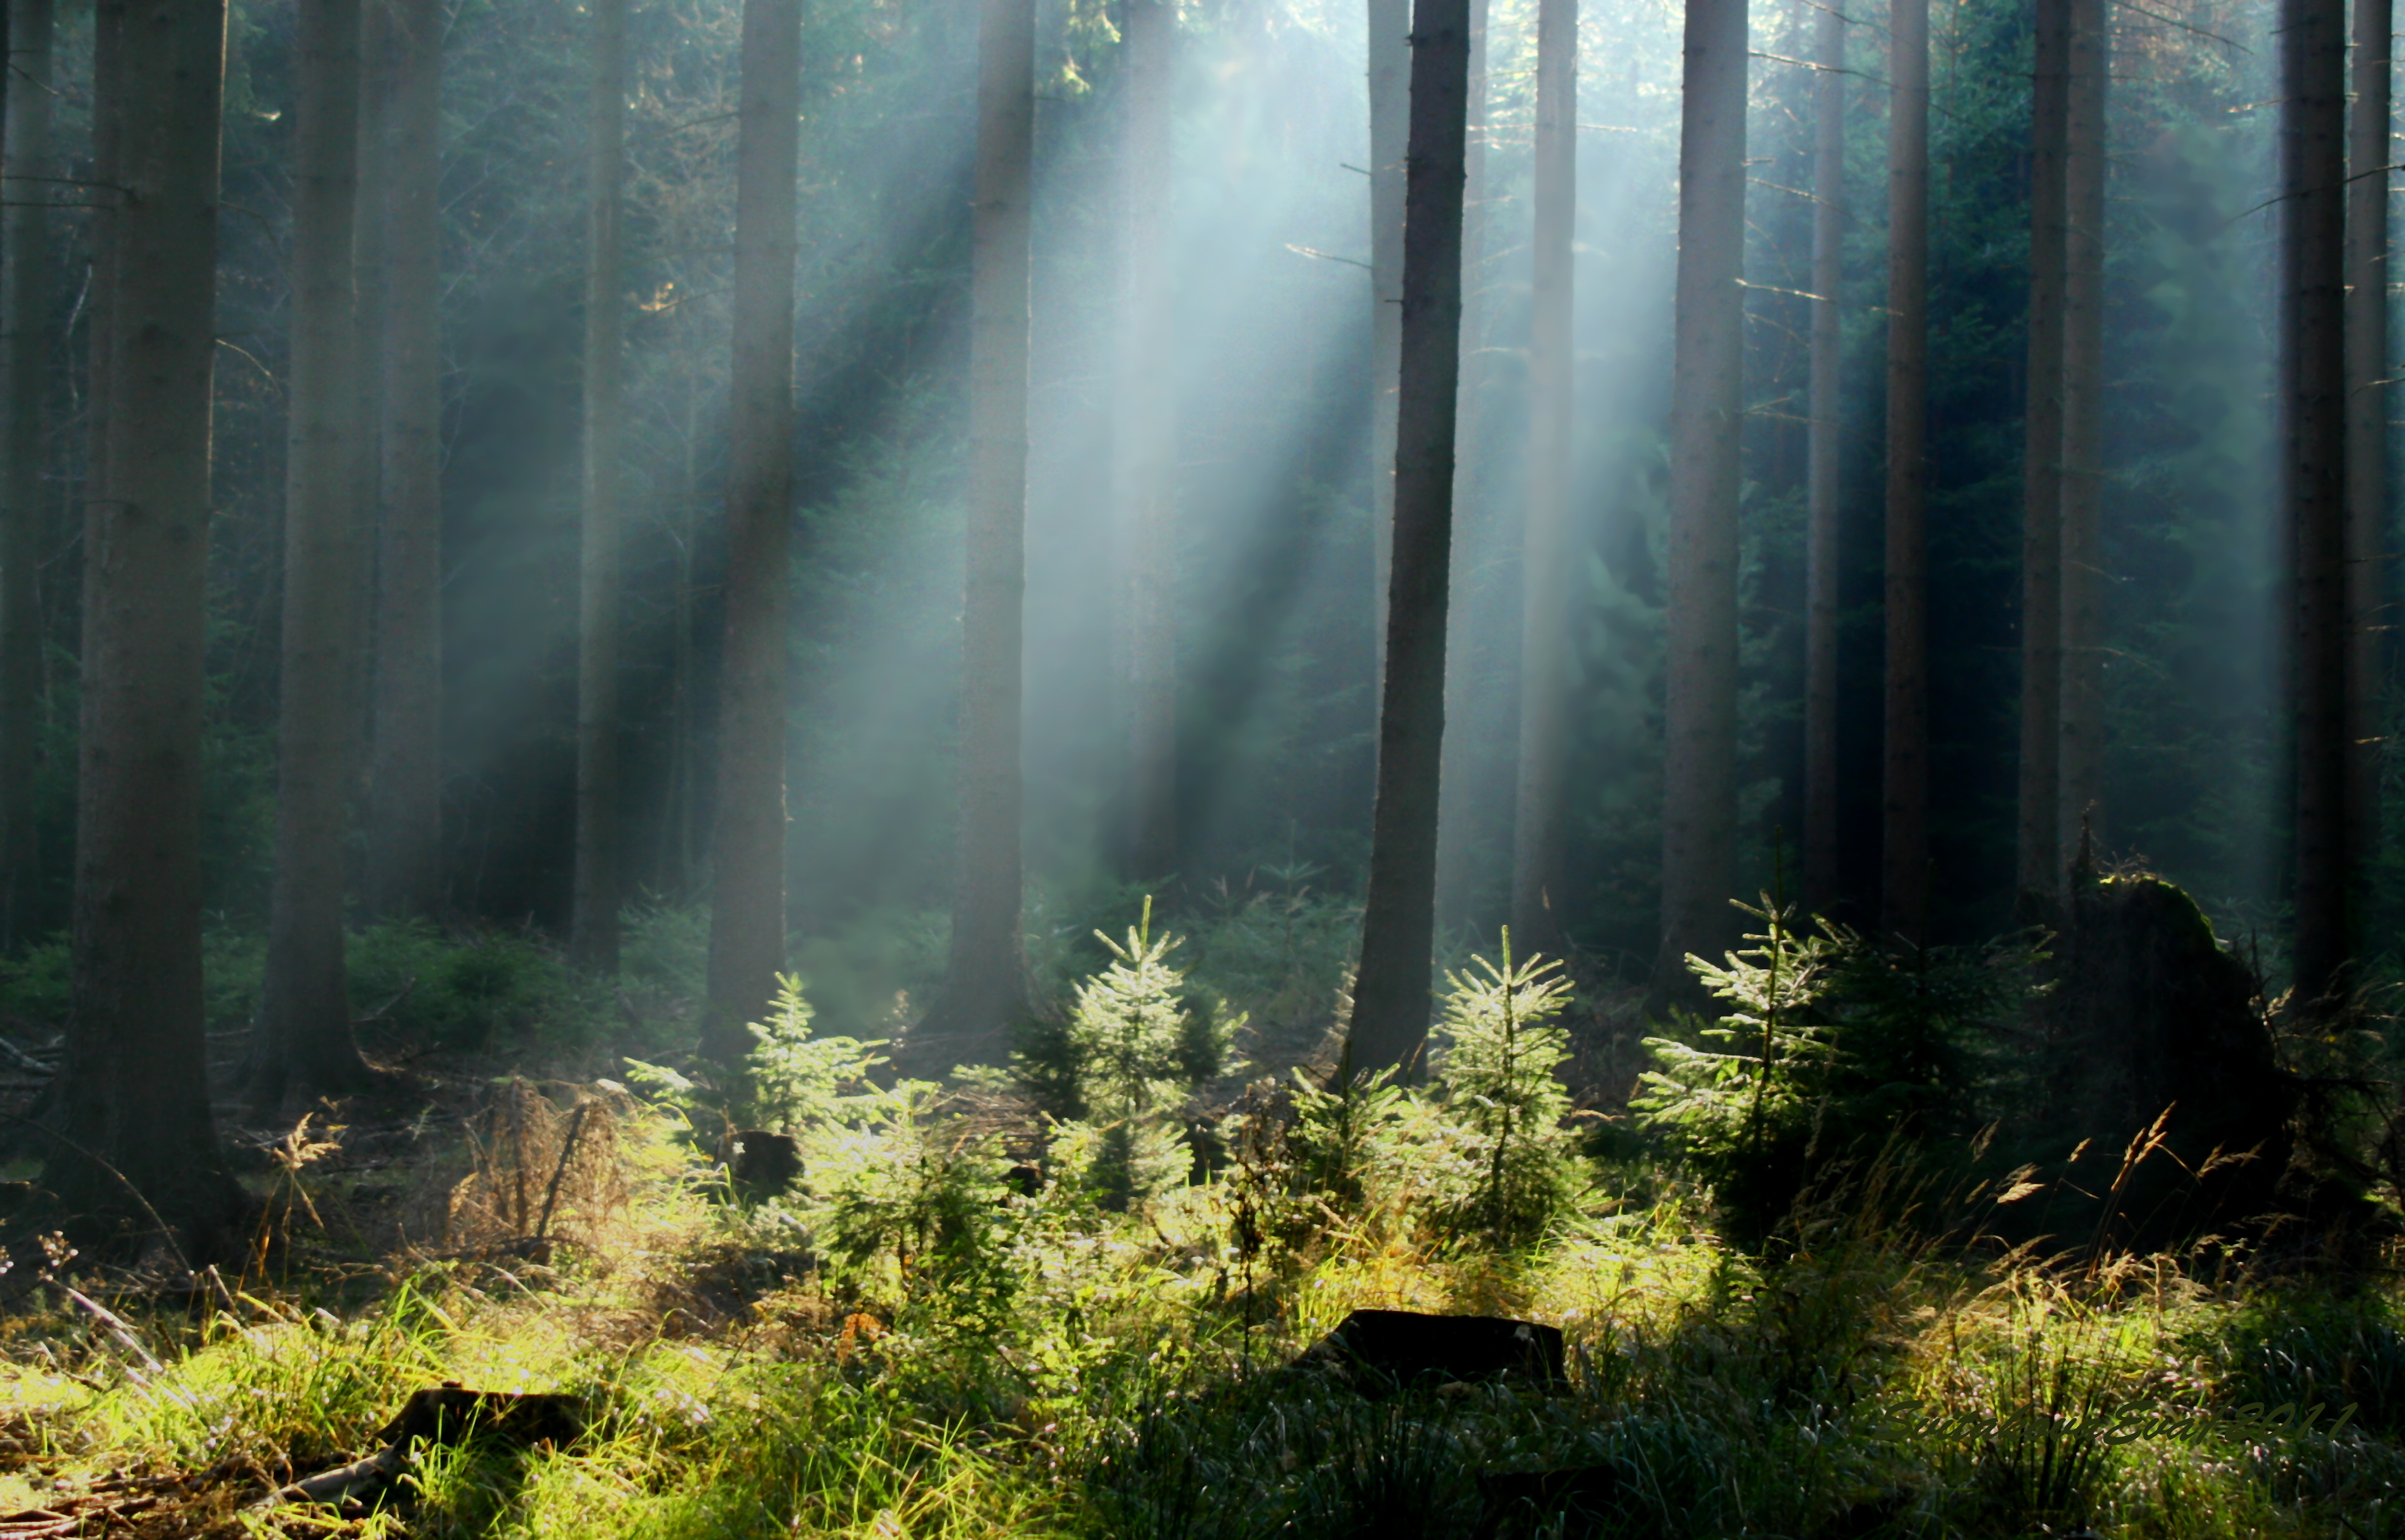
(2082, 768)
(1390, 992)
(1699, 728)
(594, 926)
(2038, 865)
(139, 1141)
(24, 372)
(747, 919)
(1544, 574)
(405, 816)
(367, 375)
(1390, 106)
(1823, 548)
(1146, 440)
(984, 993)
(2367, 424)
(2313, 395)
(1903, 888)
(303, 1045)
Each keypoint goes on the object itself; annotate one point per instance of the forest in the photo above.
(1451, 769)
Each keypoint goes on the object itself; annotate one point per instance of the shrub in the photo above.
(1498, 1076)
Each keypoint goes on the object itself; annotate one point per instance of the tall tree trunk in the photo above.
(594, 936)
(367, 374)
(2083, 433)
(2038, 865)
(1699, 728)
(747, 917)
(1544, 576)
(1390, 992)
(2312, 396)
(1903, 888)
(139, 1139)
(405, 813)
(303, 1044)
(984, 993)
(1823, 532)
(2368, 580)
(24, 371)
(1146, 440)
(1390, 77)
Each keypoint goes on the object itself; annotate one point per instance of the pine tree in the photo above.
(1903, 888)
(1822, 538)
(2039, 869)
(24, 366)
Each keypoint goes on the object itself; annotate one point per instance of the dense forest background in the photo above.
(1273, 588)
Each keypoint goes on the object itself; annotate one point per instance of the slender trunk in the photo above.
(1699, 729)
(1821, 542)
(1390, 995)
(24, 371)
(1469, 667)
(2312, 167)
(2367, 426)
(139, 1137)
(594, 934)
(2039, 868)
(1146, 441)
(405, 813)
(367, 374)
(1390, 106)
(303, 1044)
(2082, 767)
(1544, 577)
(984, 993)
(1904, 891)
(747, 918)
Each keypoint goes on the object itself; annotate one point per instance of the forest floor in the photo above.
(928, 1337)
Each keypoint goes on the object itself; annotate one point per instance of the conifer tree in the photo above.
(2038, 868)
(24, 366)
(1822, 549)
(1903, 888)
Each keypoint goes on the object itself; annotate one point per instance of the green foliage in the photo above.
(1499, 1077)
(1830, 1046)
(793, 1080)
(464, 991)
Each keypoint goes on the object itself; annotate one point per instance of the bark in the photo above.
(594, 925)
(747, 923)
(1391, 996)
(1699, 735)
(24, 368)
(1903, 890)
(1146, 440)
(405, 813)
(1823, 444)
(367, 375)
(303, 1044)
(2367, 423)
(2038, 866)
(2082, 767)
(138, 1143)
(1390, 77)
(1544, 576)
(2313, 395)
(985, 993)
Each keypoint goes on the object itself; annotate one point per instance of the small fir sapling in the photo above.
(1498, 1078)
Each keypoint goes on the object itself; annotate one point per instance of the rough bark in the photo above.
(1146, 440)
(1903, 887)
(1391, 996)
(139, 1144)
(1391, 77)
(1823, 444)
(405, 811)
(24, 368)
(984, 992)
(747, 923)
(594, 921)
(2368, 580)
(1545, 568)
(2038, 866)
(1699, 729)
(2312, 396)
(367, 375)
(303, 1044)
(2082, 766)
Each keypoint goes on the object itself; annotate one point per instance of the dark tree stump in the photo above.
(1376, 1352)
